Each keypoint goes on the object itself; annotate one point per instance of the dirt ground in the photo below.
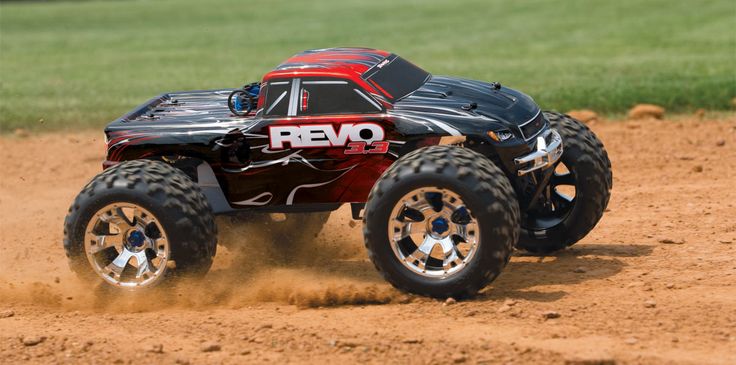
(654, 283)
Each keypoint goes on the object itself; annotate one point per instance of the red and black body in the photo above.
(327, 124)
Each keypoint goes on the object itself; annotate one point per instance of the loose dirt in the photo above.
(584, 115)
(646, 111)
(654, 283)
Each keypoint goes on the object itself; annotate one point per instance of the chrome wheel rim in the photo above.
(433, 233)
(127, 246)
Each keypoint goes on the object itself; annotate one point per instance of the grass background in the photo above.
(79, 64)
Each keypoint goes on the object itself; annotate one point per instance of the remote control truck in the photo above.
(449, 175)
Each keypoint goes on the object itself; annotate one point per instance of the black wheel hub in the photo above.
(556, 202)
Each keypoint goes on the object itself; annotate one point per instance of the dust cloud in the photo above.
(330, 269)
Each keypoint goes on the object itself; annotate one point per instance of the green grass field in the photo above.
(71, 64)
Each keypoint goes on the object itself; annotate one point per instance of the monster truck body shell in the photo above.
(327, 124)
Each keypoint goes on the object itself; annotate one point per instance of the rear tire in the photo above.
(173, 226)
(462, 178)
(587, 161)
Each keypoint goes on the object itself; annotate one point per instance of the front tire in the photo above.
(138, 224)
(442, 222)
(588, 175)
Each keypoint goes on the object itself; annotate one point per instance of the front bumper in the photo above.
(549, 151)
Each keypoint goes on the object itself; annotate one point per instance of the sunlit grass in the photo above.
(71, 64)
